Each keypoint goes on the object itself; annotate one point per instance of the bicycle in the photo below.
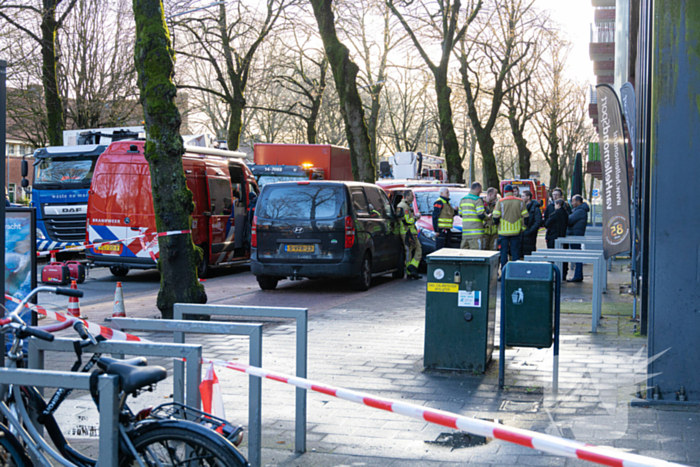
(152, 437)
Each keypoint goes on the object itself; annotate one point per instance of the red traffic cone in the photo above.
(118, 311)
(74, 302)
(53, 257)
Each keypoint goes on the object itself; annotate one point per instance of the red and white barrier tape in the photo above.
(542, 442)
(121, 240)
(95, 329)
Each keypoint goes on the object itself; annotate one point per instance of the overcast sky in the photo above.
(575, 17)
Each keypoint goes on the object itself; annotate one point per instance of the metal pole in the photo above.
(302, 348)
(3, 139)
(557, 316)
(502, 343)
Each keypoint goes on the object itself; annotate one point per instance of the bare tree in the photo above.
(229, 46)
(331, 122)
(366, 25)
(407, 112)
(97, 75)
(576, 133)
(26, 108)
(345, 75)
(487, 57)
(299, 74)
(443, 23)
(559, 102)
(25, 17)
(521, 106)
(172, 200)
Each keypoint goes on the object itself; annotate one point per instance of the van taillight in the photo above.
(254, 233)
(349, 232)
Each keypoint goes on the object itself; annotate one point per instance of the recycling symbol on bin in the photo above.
(518, 297)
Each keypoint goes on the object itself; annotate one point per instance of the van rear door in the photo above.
(221, 209)
(301, 222)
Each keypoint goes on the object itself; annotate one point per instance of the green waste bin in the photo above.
(529, 304)
(460, 309)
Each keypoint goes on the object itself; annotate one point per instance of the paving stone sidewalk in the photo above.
(375, 344)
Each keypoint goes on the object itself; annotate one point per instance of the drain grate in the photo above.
(513, 406)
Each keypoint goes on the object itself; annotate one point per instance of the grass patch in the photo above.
(609, 308)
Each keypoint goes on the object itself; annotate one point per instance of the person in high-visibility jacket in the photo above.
(471, 209)
(509, 214)
(443, 218)
(409, 235)
(490, 227)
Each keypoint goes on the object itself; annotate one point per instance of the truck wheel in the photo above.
(119, 271)
(267, 282)
(364, 280)
(204, 269)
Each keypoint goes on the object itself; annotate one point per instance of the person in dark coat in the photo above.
(557, 193)
(557, 223)
(577, 227)
(532, 223)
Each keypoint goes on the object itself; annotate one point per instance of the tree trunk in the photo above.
(447, 129)
(345, 75)
(488, 158)
(524, 153)
(372, 124)
(554, 172)
(172, 200)
(235, 123)
(54, 105)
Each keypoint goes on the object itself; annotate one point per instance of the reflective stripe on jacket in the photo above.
(447, 214)
(511, 211)
(471, 209)
(408, 221)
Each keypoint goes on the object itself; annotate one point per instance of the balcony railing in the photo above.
(603, 32)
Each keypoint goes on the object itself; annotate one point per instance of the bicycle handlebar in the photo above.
(68, 292)
(80, 329)
(38, 333)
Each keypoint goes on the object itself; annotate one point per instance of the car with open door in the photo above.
(321, 229)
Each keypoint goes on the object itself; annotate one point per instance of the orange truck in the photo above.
(334, 160)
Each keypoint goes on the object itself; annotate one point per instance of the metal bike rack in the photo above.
(301, 315)
(185, 390)
(556, 256)
(108, 386)
(253, 331)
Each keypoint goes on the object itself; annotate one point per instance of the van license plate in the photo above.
(110, 249)
(299, 249)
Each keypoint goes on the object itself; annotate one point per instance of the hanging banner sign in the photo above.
(616, 206)
(629, 106)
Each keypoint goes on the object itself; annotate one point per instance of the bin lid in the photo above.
(457, 254)
(526, 270)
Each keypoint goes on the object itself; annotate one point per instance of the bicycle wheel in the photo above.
(11, 452)
(180, 446)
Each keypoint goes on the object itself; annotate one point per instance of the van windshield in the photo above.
(312, 201)
(265, 179)
(426, 199)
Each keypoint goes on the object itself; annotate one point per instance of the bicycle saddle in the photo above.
(134, 377)
(104, 362)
